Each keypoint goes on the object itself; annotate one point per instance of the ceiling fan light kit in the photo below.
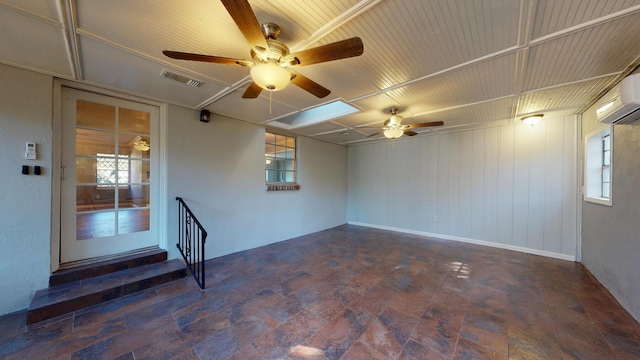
(140, 145)
(270, 69)
(270, 76)
(532, 119)
(393, 133)
(394, 128)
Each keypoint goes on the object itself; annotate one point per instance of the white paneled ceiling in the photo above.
(469, 63)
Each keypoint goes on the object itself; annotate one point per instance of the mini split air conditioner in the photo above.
(620, 105)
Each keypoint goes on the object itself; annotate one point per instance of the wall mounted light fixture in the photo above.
(532, 119)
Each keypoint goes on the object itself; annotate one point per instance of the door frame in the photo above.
(56, 172)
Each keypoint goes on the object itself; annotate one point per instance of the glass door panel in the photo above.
(112, 176)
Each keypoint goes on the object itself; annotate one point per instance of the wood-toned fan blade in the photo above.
(410, 133)
(334, 51)
(245, 19)
(206, 58)
(309, 85)
(252, 91)
(427, 124)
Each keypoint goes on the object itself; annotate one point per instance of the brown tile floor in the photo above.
(350, 293)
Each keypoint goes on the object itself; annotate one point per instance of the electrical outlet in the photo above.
(434, 218)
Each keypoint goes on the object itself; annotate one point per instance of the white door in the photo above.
(109, 192)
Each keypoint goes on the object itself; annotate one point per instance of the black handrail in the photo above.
(191, 239)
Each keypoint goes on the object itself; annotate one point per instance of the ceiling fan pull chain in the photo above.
(270, 96)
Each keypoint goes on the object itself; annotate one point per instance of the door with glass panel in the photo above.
(108, 177)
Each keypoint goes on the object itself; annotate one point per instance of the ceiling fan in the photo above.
(271, 68)
(394, 128)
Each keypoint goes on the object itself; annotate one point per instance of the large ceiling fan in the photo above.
(394, 128)
(272, 65)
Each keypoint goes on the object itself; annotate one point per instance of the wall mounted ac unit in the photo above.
(620, 104)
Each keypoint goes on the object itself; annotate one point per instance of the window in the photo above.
(598, 166)
(280, 158)
(109, 169)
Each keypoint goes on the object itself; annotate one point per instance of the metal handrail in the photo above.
(191, 240)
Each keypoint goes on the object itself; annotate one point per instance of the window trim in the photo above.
(594, 165)
(282, 185)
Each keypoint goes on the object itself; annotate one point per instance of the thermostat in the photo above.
(31, 151)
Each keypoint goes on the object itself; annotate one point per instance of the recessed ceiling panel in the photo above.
(33, 43)
(595, 51)
(480, 113)
(407, 39)
(486, 80)
(553, 15)
(42, 8)
(563, 97)
(119, 69)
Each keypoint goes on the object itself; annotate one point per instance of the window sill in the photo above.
(601, 201)
(282, 187)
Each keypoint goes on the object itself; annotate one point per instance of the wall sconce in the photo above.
(532, 119)
(205, 115)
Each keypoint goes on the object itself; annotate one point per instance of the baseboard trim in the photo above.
(545, 253)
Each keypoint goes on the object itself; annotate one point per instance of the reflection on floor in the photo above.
(351, 293)
(101, 224)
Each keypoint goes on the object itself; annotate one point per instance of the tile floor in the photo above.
(350, 293)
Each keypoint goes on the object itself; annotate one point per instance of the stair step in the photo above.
(69, 297)
(106, 267)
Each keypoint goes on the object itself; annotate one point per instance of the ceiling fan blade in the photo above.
(427, 124)
(252, 91)
(375, 134)
(309, 85)
(334, 51)
(410, 133)
(206, 58)
(245, 19)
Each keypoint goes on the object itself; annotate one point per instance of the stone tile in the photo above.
(226, 342)
(416, 351)
(247, 352)
(336, 338)
(374, 302)
(388, 334)
(486, 329)
(439, 327)
(333, 303)
(127, 341)
(292, 304)
(469, 350)
(304, 324)
(333, 294)
(149, 313)
(360, 351)
(413, 301)
(276, 344)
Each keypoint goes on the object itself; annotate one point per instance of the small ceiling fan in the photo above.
(394, 128)
(271, 68)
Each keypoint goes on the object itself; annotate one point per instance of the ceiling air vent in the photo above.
(180, 78)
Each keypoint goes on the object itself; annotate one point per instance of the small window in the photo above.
(280, 158)
(111, 171)
(598, 166)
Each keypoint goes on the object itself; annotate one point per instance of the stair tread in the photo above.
(80, 288)
(107, 266)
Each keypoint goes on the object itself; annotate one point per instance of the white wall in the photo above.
(25, 201)
(218, 168)
(512, 186)
(611, 234)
